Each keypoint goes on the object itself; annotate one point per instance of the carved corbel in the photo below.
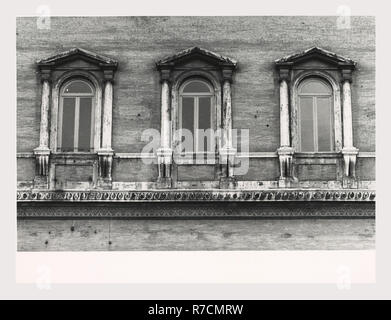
(227, 158)
(349, 159)
(164, 158)
(285, 157)
(105, 163)
(42, 161)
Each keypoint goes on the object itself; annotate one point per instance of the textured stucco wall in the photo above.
(137, 42)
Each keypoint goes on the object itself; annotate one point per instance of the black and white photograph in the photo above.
(192, 157)
(195, 133)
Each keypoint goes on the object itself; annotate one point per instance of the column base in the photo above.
(285, 183)
(164, 183)
(104, 183)
(349, 183)
(228, 183)
(41, 182)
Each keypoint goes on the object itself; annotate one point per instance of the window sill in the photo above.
(332, 154)
(73, 155)
(201, 158)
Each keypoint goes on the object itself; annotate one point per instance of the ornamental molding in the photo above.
(341, 62)
(194, 53)
(287, 195)
(52, 62)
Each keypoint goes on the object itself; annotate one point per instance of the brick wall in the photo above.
(137, 42)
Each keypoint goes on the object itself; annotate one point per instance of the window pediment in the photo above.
(77, 54)
(315, 54)
(194, 54)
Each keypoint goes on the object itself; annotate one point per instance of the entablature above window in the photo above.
(196, 58)
(76, 109)
(315, 107)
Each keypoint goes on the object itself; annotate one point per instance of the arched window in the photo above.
(75, 130)
(196, 112)
(315, 98)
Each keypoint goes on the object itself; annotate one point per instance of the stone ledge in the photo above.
(286, 195)
(202, 210)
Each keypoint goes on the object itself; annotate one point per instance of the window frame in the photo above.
(336, 104)
(215, 84)
(196, 96)
(314, 97)
(96, 114)
(77, 97)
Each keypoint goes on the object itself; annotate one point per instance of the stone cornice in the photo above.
(197, 52)
(280, 195)
(75, 53)
(315, 52)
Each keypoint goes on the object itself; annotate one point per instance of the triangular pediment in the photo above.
(77, 54)
(197, 53)
(316, 53)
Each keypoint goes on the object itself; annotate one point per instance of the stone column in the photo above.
(349, 152)
(285, 151)
(107, 115)
(227, 151)
(105, 153)
(42, 152)
(284, 114)
(164, 153)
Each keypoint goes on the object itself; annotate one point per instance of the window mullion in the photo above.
(196, 113)
(60, 117)
(332, 127)
(315, 123)
(76, 129)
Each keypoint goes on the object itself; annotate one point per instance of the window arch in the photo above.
(196, 112)
(315, 112)
(76, 116)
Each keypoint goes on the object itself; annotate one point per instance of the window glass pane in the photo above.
(196, 86)
(68, 124)
(315, 86)
(324, 114)
(85, 124)
(188, 114)
(204, 123)
(78, 87)
(306, 124)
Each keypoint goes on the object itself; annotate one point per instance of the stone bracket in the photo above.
(227, 157)
(105, 164)
(349, 159)
(164, 159)
(285, 156)
(42, 156)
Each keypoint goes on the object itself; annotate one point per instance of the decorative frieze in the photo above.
(196, 196)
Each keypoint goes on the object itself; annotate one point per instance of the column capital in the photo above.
(284, 74)
(108, 75)
(165, 72)
(226, 74)
(347, 75)
(45, 75)
(165, 75)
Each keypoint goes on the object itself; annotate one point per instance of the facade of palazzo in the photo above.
(214, 125)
